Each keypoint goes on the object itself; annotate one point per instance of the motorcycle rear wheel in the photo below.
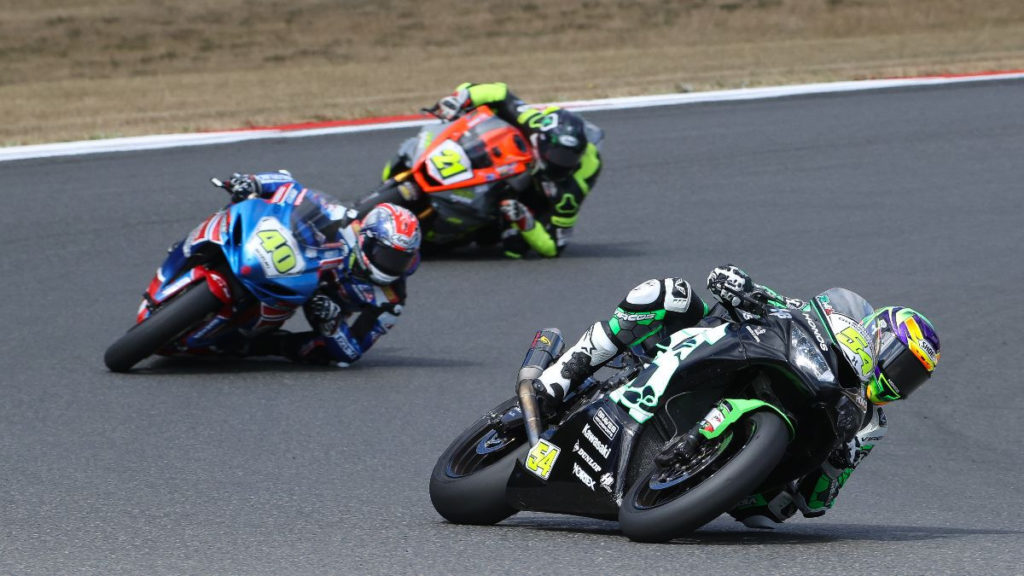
(658, 508)
(468, 483)
(162, 327)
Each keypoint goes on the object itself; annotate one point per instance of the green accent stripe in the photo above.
(828, 327)
(589, 165)
(525, 115)
(614, 325)
(645, 336)
(539, 239)
(564, 222)
(481, 94)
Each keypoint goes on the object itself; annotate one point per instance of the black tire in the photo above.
(467, 487)
(650, 513)
(161, 327)
(388, 192)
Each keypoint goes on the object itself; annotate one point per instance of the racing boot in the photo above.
(578, 363)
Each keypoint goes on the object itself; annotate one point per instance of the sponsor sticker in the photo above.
(585, 457)
(635, 317)
(582, 475)
(713, 420)
(602, 448)
(605, 424)
(542, 457)
(817, 333)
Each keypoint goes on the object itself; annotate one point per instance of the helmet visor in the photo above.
(388, 259)
(900, 371)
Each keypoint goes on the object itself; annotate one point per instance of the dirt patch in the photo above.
(80, 69)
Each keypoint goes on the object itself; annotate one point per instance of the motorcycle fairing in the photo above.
(279, 264)
(642, 396)
(478, 148)
(588, 475)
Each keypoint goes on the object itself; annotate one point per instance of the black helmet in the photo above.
(560, 141)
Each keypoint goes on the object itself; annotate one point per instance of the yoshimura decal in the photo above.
(605, 424)
(601, 447)
(607, 480)
(580, 473)
(817, 333)
(585, 457)
(641, 395)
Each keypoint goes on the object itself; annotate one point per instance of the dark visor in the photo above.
(902, 369)
(561, 156)
(387, 259)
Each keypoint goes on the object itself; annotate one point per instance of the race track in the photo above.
(248, 467)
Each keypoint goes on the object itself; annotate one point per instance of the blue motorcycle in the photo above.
(241, 273)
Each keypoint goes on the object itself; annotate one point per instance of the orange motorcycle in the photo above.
(453, 176)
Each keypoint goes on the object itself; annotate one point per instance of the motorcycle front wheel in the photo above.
(668, 503)
(162, 327)
(469, 480)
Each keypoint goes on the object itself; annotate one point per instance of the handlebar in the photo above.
(750, 298)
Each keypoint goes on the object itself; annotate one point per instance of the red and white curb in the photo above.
(394, 122)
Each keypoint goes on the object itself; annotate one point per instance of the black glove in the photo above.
(324, 313)
(242, 186)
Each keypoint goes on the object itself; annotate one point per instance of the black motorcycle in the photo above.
(740, 404)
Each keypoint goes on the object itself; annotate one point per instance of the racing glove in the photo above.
(450, 107)
(324, 313)
(733, 287)
(517, 214)
(243, 186)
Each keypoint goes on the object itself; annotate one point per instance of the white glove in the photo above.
(728, 282)
(450, 107)
(516, 213)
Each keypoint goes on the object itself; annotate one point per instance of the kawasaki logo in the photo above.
(600, 446)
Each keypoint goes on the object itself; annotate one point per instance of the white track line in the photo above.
(207, 138)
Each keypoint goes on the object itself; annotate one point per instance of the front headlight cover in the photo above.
(805, 355)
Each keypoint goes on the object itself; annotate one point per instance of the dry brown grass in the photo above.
(74, 69)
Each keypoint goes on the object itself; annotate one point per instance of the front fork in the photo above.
(723, 415)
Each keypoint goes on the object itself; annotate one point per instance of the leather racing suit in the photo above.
(348, 312)
(658, 308)
(552, 200)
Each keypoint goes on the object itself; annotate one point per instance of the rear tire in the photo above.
(651, 513)
(467, 486)
(162, 327)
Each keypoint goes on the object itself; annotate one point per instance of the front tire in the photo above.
(162, 327)
(468, 483)
(658, 508)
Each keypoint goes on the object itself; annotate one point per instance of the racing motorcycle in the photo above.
(738, 405)
(240, 273)
(456, 175)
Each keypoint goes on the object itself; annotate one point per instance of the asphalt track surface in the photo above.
(249, 467)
